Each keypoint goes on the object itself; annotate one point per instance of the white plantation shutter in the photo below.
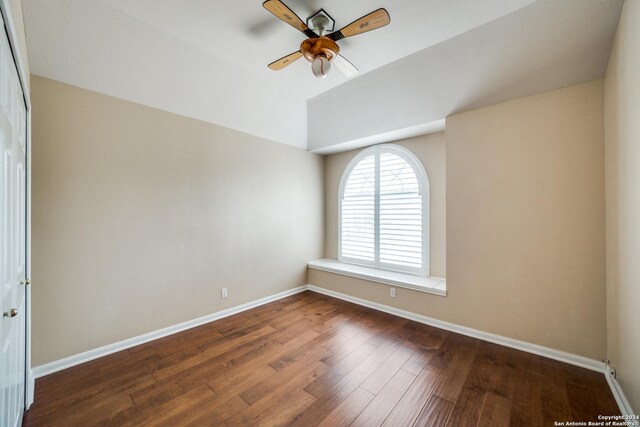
(383, 210)
(400, 213)
(358, 218)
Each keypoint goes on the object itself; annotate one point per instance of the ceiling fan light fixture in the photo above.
(320, 66)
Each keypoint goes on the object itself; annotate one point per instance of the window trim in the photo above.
(423, 186)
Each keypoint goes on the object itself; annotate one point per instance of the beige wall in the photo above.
(140, 217)
(622, 130)
(430, 149)
(525, 223)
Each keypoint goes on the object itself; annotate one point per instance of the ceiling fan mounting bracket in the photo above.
(321, 22)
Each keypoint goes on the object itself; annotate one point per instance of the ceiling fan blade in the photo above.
(345, 67)
(285, 60)
(281, 10)
(373, 21)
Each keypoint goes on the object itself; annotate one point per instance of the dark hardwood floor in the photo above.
(310, 360)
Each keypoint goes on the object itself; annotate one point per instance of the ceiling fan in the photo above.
(319, 48)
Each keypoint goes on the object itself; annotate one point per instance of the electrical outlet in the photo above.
(392, 292)
(224, 293)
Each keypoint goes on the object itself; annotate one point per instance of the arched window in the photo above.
(384, 211)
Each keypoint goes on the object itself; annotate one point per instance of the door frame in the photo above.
(16, 49)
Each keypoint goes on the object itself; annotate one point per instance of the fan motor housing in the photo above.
(311, 48)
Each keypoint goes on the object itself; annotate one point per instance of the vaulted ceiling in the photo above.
(208, 59)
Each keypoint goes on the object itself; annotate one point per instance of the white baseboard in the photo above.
(573, 359)
(618, 394)
(67, 362)
(559, 355)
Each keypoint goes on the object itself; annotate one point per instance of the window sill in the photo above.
(432, 285)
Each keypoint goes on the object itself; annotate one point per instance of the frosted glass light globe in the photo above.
(320, 66)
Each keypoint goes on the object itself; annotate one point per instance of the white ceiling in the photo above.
(248, 36)
(547, 45)
(208, 59)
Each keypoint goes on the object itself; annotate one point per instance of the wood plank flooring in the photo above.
(310, 360)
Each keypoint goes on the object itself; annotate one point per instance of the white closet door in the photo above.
(12, 239)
